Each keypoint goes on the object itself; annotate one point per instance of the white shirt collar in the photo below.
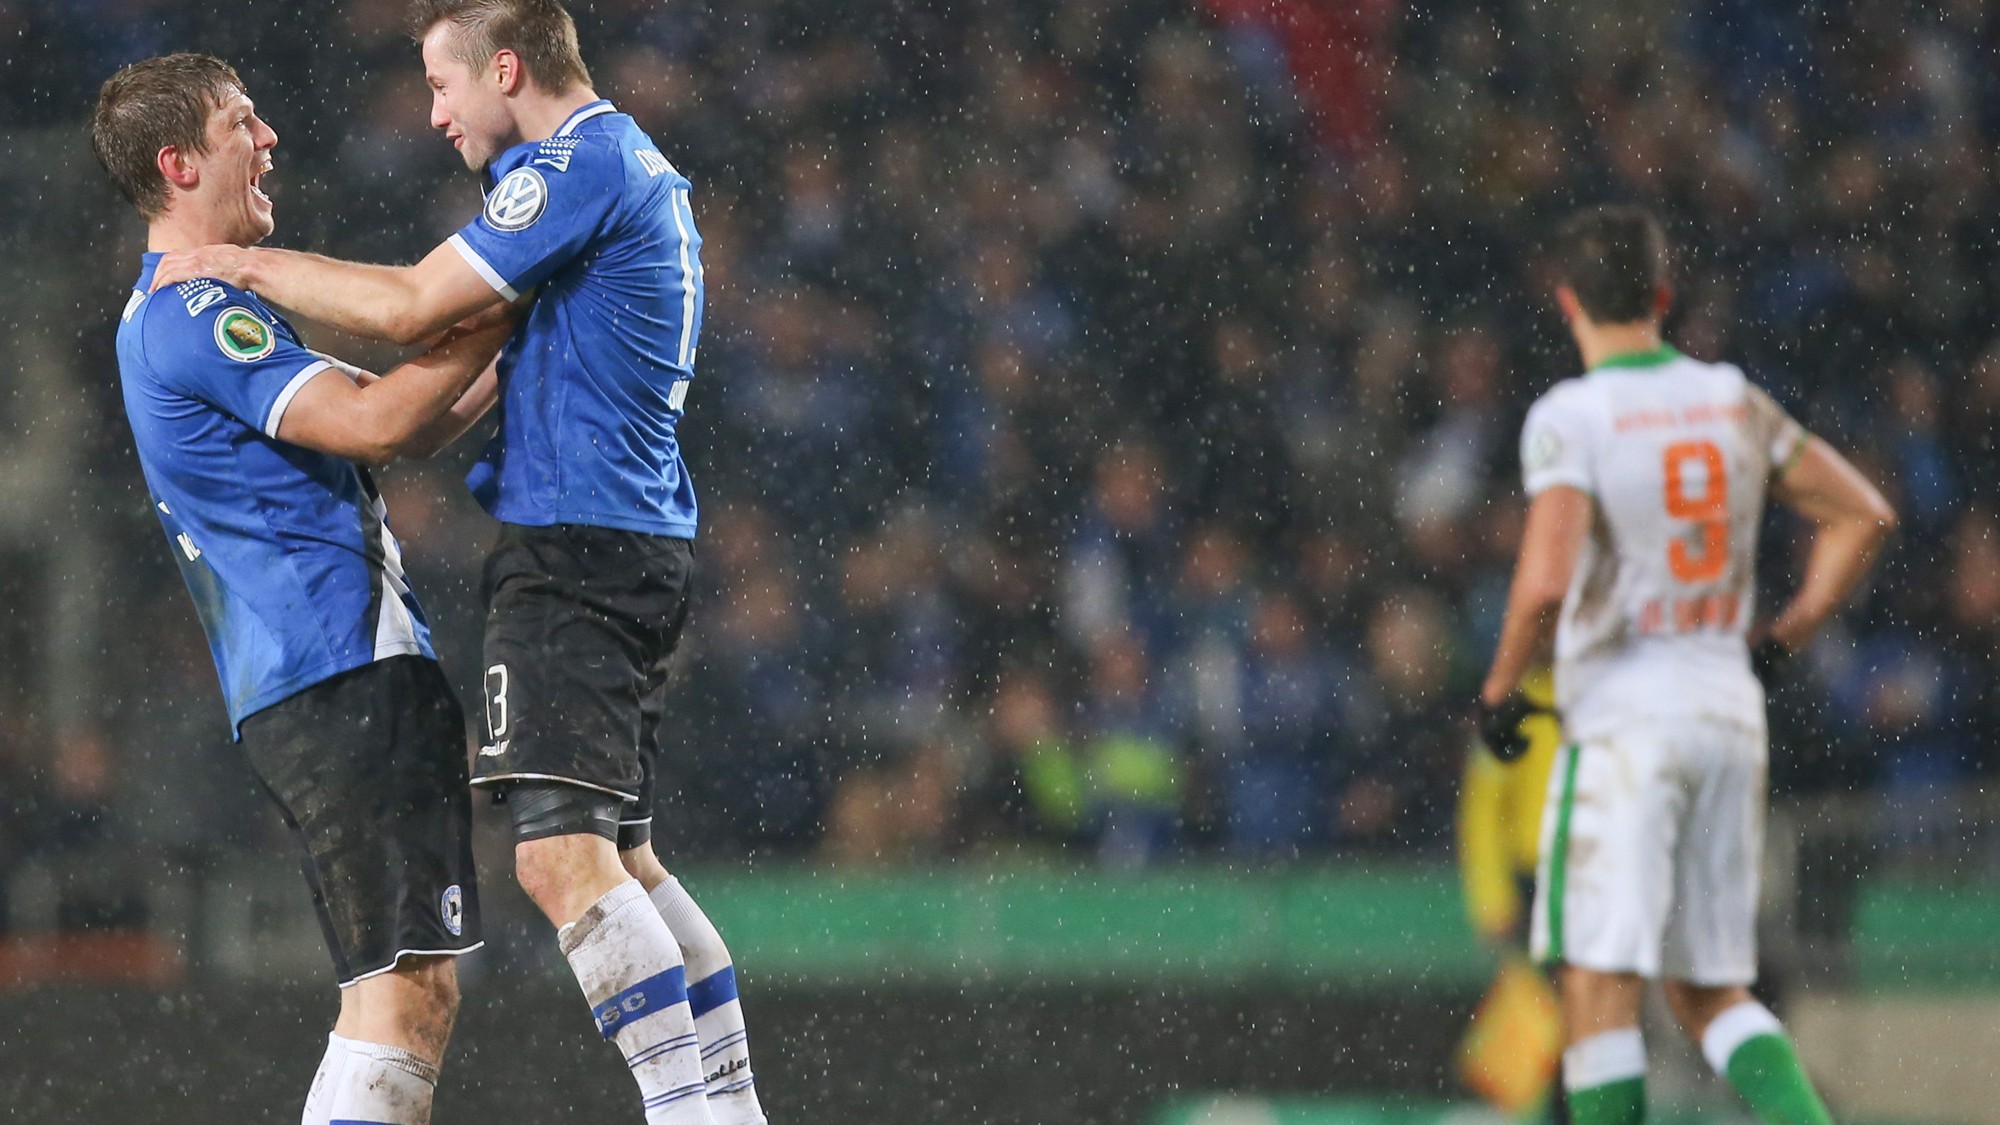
(582, 115)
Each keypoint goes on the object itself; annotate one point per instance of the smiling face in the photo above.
(471, 108)
(229, 191)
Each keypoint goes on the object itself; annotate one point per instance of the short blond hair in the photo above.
(541, 32)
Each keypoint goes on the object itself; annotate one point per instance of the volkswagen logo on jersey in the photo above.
(453, 909)
(517, 200)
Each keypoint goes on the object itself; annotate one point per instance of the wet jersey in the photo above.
(593, 382)
(287, 551)
(1676, 454)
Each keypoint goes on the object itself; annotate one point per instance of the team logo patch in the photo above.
(453, 909)
(1544, 449)
(242, 336)
(517, 201)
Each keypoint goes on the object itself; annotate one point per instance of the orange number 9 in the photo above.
(1710, 509)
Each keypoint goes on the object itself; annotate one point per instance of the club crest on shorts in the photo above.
(517, 200)
(242, 336)
(453, 908)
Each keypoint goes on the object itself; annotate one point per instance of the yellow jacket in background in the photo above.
(1500, 820)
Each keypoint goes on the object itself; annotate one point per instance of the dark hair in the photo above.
(1615, 259)
(152, 104)
(540, 31)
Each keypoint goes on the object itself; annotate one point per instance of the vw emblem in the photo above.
(517, 201)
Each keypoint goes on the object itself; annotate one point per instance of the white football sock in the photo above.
(1733, 1028)
(1604, 1058)
(718, 1015)
(382, 1085)
(319, 1099)
(631, 971)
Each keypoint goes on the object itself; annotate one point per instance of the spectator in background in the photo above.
(1397, 789)
(1291, 702)
(16, 801)
(1033, 787)
(1123, 554)
(757, 691)
(1971, 641)
(1133, 771)
(1916, 445)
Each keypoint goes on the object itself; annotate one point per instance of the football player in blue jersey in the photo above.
(252, 449)
(587, 588)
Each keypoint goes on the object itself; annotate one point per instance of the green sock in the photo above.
(1766, 1071)
(1615, 1103)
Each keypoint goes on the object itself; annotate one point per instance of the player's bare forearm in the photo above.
(448, 427)
(375, 302)
(1558, 522)
(402, 304)
(1525, 640)
(440, 378)
(478, 398)
(360, 300)
(372, 422)
(1841, 556)
(1854, 521)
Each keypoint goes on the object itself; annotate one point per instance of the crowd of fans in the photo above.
(1105, 417)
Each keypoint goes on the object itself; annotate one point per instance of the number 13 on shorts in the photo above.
(496, 704)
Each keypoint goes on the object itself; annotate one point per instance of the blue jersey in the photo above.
(287, 551)
(593, 382)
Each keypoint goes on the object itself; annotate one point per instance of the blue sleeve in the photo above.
(227, 354)
(541, 215)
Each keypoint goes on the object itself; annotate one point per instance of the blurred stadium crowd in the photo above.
(1106, 415)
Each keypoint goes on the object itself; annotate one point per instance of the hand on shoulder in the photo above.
(227, 264)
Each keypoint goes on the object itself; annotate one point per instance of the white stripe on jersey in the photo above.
(284, 399)
(689, 278)
(395, 629)
(482, 267)
(582, 116)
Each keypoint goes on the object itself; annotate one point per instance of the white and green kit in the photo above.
(1655, 816)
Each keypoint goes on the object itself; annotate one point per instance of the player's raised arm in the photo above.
(448, 427)
(480, 397)
(1853, 521)
(403, 304)
(372, 421)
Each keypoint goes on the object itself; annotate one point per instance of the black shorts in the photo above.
(369, 770)
(580, 623)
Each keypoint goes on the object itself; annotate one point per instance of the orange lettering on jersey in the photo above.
(1700, 414)
(1687, 614)
(1644, 420)
(1709, 413)
(1659, 617)
(1652, 618)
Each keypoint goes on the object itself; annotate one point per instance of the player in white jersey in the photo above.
(1648, 477)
